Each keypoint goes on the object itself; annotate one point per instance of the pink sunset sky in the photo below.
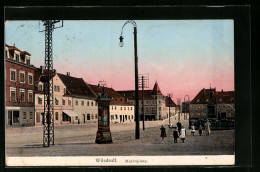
(184, 56)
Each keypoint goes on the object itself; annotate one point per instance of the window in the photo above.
(56, 115)
(96, 116)
(12, 75)
(146, 102)
(40, 87)
(82, 103)
(12, 94)
(95, 103)
(88, 103)
(121, 108)
(160, 108)
(30, 96)
(131, 108)
(22, 95)
(198, 100)
(92, 103)
(28, 62)
(76, 102)
(56, 88)
(116, 116)
(63, 101)
(64, 90)
(124, 108)
(38, 117)
(17, 57)
(30, 79)
(69, 102)
(56, 101)
(115, 107)
(128, 108)
(22, 77)
(132, 116)
(39, 100)
(31, 115)
(112, 117)
(24, 115)
(92, 116)
(76, 118)
(146, 109)
(112, 107)
(152, 109)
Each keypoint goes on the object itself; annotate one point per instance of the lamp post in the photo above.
(169, 96)
(121, 44)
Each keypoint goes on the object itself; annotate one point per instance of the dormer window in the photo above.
(17, 56)
(28, 62)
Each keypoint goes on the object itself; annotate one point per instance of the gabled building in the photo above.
(154, 102)
(223, 101)
(19, 87)
(120, 110)
(74, 102)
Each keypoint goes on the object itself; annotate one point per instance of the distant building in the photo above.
(170, 105)
(185, 107)
(120, 109)
(19, 87)
(223, 101)
(154, 102)
(74, 102)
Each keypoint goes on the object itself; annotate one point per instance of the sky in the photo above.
(183, 56)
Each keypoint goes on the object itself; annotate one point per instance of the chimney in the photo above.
(68, 73)
(41, 68)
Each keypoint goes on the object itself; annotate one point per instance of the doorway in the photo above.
(15, 116)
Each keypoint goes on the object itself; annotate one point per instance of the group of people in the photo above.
(180, 131)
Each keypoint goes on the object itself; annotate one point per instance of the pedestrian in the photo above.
(192, 130)
(183, 134)
(200, 130)
(163, 132)
(179, 127)
(175, 135)
(207, 127)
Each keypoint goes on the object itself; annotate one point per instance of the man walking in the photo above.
(175, 135)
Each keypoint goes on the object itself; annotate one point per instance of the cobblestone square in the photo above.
(79, 140)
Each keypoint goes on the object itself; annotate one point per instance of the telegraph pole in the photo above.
(144, 84)
(48, 128)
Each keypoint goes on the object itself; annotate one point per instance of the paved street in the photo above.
(72, 140)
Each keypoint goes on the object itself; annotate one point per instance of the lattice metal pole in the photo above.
(48, 119)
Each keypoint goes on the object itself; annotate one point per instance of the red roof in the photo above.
(76, 86)
(117, 98)
(130, 94)
(156, 89)
(218, 96)
(171, 102)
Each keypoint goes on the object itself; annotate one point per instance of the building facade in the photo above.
(154, 103)
(19, 87)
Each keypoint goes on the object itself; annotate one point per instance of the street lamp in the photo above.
(121, 44)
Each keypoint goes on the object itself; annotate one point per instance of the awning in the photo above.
(70, 113)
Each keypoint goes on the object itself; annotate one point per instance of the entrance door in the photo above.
(88, 117)
(15, 116)
(10, 120)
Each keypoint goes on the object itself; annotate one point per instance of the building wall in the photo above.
(25, 106)
(198, 111)
(123, 112)
(172, 111)
(150, 107)
(86, 108)
(226, 108)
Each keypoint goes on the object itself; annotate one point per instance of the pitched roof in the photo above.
(172, 103)
(130, 94)
(218, 96)
(156, 89)
(117, 97)
(225, 96)
(76, 86)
